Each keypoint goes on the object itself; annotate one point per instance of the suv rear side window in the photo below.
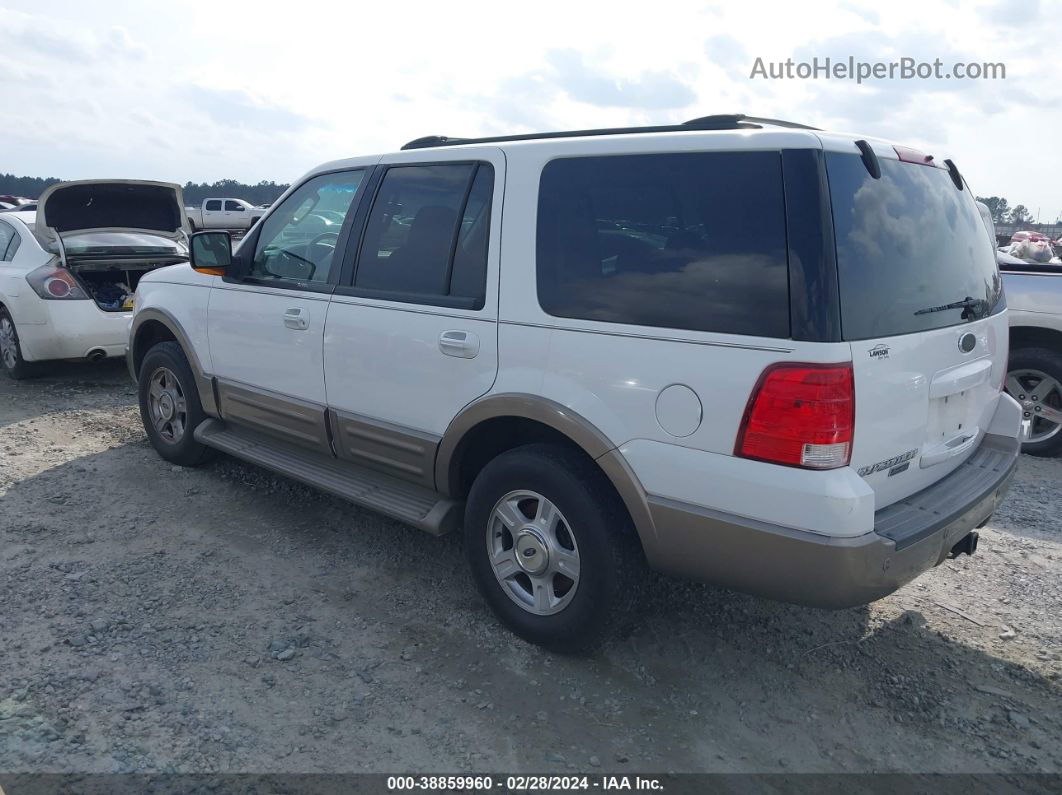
(689, 241)
(426, 236)
(213, 204)
(908, 245)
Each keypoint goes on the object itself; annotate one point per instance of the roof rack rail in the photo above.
(722, 121)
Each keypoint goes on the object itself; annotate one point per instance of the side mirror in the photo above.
(210, 252)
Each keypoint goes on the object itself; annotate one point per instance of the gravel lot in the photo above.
(223, 619)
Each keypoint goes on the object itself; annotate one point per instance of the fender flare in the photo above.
(204, 382)
(560, 418)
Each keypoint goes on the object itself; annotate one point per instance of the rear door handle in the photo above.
(462, 344)
(297, 319)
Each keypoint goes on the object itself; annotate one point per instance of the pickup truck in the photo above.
(223, 214)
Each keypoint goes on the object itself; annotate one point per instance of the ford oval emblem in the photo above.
(967, 342)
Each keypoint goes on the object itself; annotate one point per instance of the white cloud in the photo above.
(120, 42)
(205, 90)
(649, 90)
(47, 38)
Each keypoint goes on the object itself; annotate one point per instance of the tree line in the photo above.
(264, 192)
(1003, 213)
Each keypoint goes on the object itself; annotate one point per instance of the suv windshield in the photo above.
(911, 250)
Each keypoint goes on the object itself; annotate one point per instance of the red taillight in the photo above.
(57, 287)
(800, 415)
(52, 282)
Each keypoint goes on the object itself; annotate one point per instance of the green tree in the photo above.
(262, 193)
(29, 187)
(1019, 215)
(194, 193)
(998, 206)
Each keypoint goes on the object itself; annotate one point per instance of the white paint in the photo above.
(678, 410)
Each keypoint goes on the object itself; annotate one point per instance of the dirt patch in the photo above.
(224, 619)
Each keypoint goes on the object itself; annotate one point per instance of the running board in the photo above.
(415, 505)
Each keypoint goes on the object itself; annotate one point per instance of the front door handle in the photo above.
(297, 319)
(462, 344)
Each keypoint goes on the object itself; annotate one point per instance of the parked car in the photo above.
(68, 272)
(1034, 377)
(1028, 234)
(25, 207)
(680, 345)
(223, 214)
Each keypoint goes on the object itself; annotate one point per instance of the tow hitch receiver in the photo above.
(966, 545)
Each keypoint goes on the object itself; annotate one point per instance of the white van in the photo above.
(737, 349)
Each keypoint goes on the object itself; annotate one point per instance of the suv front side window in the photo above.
(298, 239)
(235, 207)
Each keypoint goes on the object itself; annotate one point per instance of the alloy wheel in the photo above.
(1040, 396)
(8, 343)
(533, 552)
(167, 405)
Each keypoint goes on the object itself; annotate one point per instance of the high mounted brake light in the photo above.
(800, 415)
(908, 155)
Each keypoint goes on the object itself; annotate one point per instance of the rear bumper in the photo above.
(797, 566)
(73, 329)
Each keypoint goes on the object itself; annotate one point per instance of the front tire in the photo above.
(11, 359)
(550, 546)
(1034, 379)
(169, 405)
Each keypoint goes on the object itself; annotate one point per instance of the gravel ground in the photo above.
(223, 619)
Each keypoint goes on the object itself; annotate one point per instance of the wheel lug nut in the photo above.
(1021, 397)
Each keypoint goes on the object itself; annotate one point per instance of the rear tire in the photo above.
(1027, 369)
(535, 515)
(11, 359)
(170, 407)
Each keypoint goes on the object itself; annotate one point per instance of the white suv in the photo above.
(740, 350)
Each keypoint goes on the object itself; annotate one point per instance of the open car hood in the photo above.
(69, 210)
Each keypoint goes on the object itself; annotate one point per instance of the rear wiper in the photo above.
(968, 304)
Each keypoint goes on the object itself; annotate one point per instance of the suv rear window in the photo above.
(908, 245)
(687, 240)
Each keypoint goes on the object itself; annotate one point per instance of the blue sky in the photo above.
(264, 90)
